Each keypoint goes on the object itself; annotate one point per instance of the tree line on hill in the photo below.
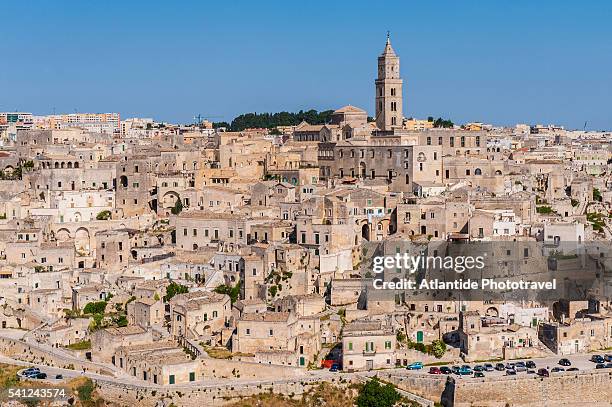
(272, 120)
(312, 116)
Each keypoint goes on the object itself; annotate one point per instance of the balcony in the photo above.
(369, 352)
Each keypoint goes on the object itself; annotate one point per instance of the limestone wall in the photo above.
(430, 387)
(35, 354)
(216, 394)
(232, 369)
(588, 388)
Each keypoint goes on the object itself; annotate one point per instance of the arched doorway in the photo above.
(365, 231)
(81, 240)
(123, 181)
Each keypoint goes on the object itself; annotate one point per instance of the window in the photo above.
(439, 141)
(350, 346)
(271, 332)
(192, 376)
(387, 344)
(248, 331)
(171, 379)
(428, 141)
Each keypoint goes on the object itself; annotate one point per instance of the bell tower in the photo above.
(388, 90)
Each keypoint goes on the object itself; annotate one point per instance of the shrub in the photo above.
(104, 215)
(95, 307)
(85, 390)
(373, 394)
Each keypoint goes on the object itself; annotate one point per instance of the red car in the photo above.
(435, 370)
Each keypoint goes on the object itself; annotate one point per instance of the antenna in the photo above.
(201, 117)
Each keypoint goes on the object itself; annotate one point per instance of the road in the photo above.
(581, 361)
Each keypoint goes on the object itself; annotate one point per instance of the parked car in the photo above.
(435, 370)
(608, 358)
(479, 374)
(543, 372)
(565, 362)
(597, 359)
(510, 372)
(479, 368)
(456, 369)
(59, 376)
(488, 367)
(30, 370)
(446, 370)
(31, 375)
(415, 366)
(509, 365)
(531, 371)
(530, 364)
(500, 366)
(600, 366)
(573, 369)
(520, 366)
(608, 365)
(465, 370)
(41, 375)
(557, 369)
(334, 368)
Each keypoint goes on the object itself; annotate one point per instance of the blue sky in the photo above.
(496, 61)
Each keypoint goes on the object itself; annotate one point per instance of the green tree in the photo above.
(597, 195)
(104, 215)
(173, 289)
(95, 307)
(233, 292)
(544, 210)
(121, 321)
(85, 391)
(272, 120)
(178, 207)
(373, 394)
(438, 348)
(443, 123)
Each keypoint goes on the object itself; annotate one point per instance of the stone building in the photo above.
(199, 314)
(112, 249)
(389, 100)
(367, 345)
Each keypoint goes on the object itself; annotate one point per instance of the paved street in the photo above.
(582, 362)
